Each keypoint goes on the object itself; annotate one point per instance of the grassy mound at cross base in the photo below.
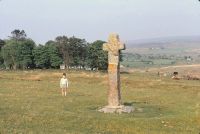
(31, 102)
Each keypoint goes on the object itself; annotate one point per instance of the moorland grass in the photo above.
(31, 102)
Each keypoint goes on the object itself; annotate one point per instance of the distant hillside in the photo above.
(161, 52)
(182, 41)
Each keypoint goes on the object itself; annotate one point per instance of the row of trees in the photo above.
(21, 52)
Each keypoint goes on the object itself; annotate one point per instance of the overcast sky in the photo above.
(43, 20)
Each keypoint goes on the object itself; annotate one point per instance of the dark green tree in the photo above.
(47, 56)
(55, 59)
(18, 54)
(17, 51)
(18, 35)
(73, 50)
(2, 43)
(41, 58)
(62, 43)
(77, 52)
(96, 57)
(25, 54)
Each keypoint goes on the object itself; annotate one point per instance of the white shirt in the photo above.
(64, 81)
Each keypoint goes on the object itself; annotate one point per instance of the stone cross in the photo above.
(113, 47)
(114, 95)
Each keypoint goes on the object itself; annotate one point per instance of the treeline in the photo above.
(21, 52)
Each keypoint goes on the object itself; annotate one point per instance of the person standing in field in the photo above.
(64, 84)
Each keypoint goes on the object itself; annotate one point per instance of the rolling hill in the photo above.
(178, 41)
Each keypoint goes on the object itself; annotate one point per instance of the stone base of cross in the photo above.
(113, 48)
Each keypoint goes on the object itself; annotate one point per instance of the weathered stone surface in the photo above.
(119, 109)
(113, 47)
(114, 94)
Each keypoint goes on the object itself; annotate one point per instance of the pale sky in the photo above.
(43, 20)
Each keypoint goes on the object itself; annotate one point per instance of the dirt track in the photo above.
(181, 66)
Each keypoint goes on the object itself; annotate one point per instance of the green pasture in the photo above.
(31, 103)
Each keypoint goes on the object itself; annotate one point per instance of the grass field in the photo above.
(31, 102)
